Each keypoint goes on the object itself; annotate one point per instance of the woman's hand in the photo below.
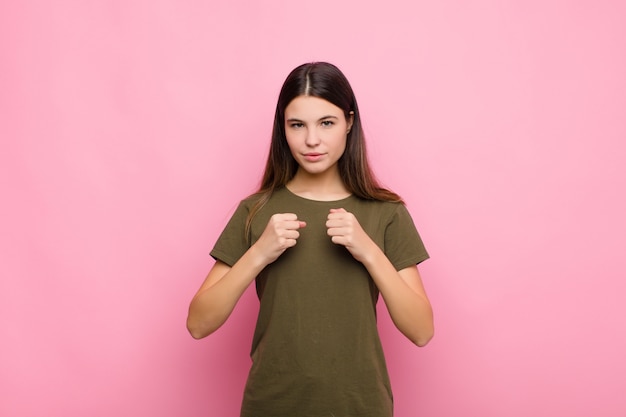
(280, 234)
(403, 291)
(344, 229)
(224, 285)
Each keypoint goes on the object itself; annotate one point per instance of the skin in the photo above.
(316, 127)
(316, 132)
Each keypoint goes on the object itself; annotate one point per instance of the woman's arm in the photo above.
(224, 286)
(402, 291)
(219, 293)
(404, 297)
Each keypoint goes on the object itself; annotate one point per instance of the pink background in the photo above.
(130, 129)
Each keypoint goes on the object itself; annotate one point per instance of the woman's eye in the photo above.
(327, 123)
(296, 125)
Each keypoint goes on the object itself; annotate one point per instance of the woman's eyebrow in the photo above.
(295, 119)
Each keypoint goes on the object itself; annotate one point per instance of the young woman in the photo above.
(321, 239)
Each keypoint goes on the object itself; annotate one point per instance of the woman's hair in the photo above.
(325, 81)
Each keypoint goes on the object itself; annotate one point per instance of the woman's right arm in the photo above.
(224, 285)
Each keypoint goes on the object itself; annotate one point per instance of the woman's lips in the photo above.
(313, 157)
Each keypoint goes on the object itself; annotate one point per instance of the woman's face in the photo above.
(316, 133)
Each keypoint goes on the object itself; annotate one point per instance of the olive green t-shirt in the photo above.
(316, 350)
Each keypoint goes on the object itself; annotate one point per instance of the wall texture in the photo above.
(129, 130)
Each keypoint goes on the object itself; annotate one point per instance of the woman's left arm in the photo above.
(402, 290)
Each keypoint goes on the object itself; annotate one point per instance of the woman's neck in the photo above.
(318, 187)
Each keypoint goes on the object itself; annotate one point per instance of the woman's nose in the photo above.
(312, 138)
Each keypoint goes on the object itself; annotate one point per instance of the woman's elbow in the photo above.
(423, 341)
(422, 338)
(196, 335)
(196, 330)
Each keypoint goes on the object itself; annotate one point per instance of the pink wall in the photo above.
(130, 129)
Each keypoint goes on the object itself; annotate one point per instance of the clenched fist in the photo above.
(344, 229)
(280, 234)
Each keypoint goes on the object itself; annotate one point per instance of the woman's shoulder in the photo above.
(381, 208)
(380, 204)
(258, 199)
(265, 196)
(252, 199)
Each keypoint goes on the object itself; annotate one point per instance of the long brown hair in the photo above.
(325, 81)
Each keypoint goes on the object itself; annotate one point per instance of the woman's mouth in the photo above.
(313, 156)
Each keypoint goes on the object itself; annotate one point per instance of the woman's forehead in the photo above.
(309, 107)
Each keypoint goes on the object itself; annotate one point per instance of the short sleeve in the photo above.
(233, 242)
(403, 244)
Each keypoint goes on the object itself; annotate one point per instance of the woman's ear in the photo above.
(350, 120)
